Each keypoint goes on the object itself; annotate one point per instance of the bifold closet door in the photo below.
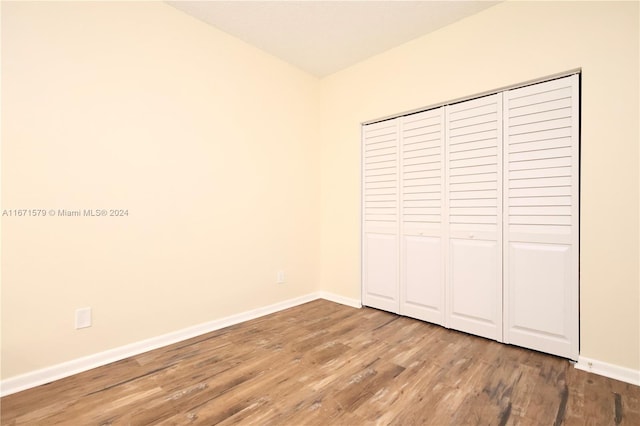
(474, 216)
(421, 225)
(541, 163)
(380, 200)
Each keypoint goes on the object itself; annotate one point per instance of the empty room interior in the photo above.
(335, 212)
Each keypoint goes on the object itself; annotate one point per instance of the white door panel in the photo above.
(380, 211)
(381, 271)
(541, 171)
(422, 209)
(474, 215)
(423, 291)
(474, 299)
(537, 273)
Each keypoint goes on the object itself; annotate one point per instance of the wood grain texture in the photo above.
(326, 364)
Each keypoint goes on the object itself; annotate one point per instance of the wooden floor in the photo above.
(326, 364)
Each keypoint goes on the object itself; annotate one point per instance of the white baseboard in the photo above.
(69, 368)
(612, 371)
(354, 303)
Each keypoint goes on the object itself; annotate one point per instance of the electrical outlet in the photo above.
(280, 277)
(83, 318)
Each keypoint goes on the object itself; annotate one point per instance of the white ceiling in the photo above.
(322, 37)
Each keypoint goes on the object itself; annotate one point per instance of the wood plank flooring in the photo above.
(326, 364)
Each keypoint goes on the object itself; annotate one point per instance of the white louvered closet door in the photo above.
(380, 215)
(474, 199)
(541, 162)
(421, 225)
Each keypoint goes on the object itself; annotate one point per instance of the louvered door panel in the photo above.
(380, 208)
(541, 216)
(422, 207)
(470, 216)
(474, 215)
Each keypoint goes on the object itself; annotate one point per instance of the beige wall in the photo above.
(504, 45)
(233, 165)
(209, 143)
